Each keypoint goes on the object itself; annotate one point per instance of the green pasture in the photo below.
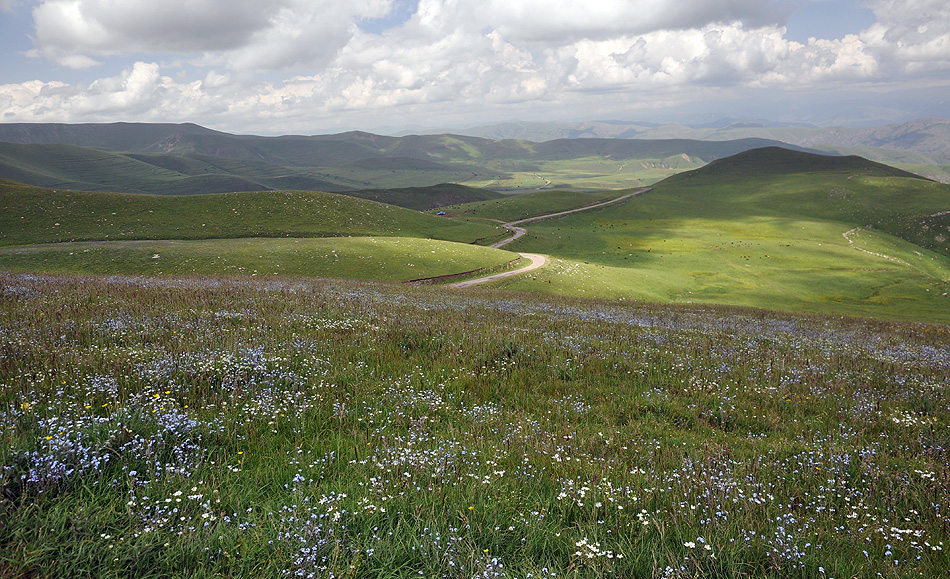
(403, 173)
(788, 273)
(30, 215)
(365, 258)
(217, 163)
(767, 228)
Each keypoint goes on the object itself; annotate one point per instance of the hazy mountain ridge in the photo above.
(187, 159)
(927, 137)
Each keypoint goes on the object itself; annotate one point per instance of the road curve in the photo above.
(537, 261)
(520, 231)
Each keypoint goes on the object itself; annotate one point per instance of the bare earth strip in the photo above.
(537, 261)
(847, 235)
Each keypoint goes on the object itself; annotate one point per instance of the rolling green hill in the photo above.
(30, 215)
(769, 228)
(111, 136)
(85, 169)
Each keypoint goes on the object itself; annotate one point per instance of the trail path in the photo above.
(520, 231)
(537, 260)
(847, 235)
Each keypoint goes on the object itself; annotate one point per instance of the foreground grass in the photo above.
(214, 427)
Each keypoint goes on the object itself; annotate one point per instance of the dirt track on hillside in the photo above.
(537, 260)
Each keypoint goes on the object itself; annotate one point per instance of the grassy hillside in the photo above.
(367, 258)
(769, 229)
(85, 169)
(30, 215)
(921, 146)
(766, 228)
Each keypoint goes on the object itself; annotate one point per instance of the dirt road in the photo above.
(520, 231)
(537, 261)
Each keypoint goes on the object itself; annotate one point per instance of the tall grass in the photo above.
(228, 427)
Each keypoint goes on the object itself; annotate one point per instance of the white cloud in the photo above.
(251, 34)
(911, 36)
(551, 21)
(140, 93)
(451, 58)
(7, 5)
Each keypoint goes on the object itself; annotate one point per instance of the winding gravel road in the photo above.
(537, 260)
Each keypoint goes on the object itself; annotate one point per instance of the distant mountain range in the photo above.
(919, 142)
(188, 159)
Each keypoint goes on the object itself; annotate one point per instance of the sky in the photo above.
(323, 66)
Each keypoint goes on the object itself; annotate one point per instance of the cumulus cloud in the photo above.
(6, 5)
(139, 92)
(910, 36)
(554, 21)
(257, 34)
(452, 57)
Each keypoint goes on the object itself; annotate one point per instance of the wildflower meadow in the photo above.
(212, 427)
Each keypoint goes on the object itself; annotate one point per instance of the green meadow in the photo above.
(422, 198)
(766, 228)
(229, 427)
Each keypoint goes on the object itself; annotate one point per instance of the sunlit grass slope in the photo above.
(368, 258)
(30, 215)
(767, 229)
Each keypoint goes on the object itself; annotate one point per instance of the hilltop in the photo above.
(780, 161)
